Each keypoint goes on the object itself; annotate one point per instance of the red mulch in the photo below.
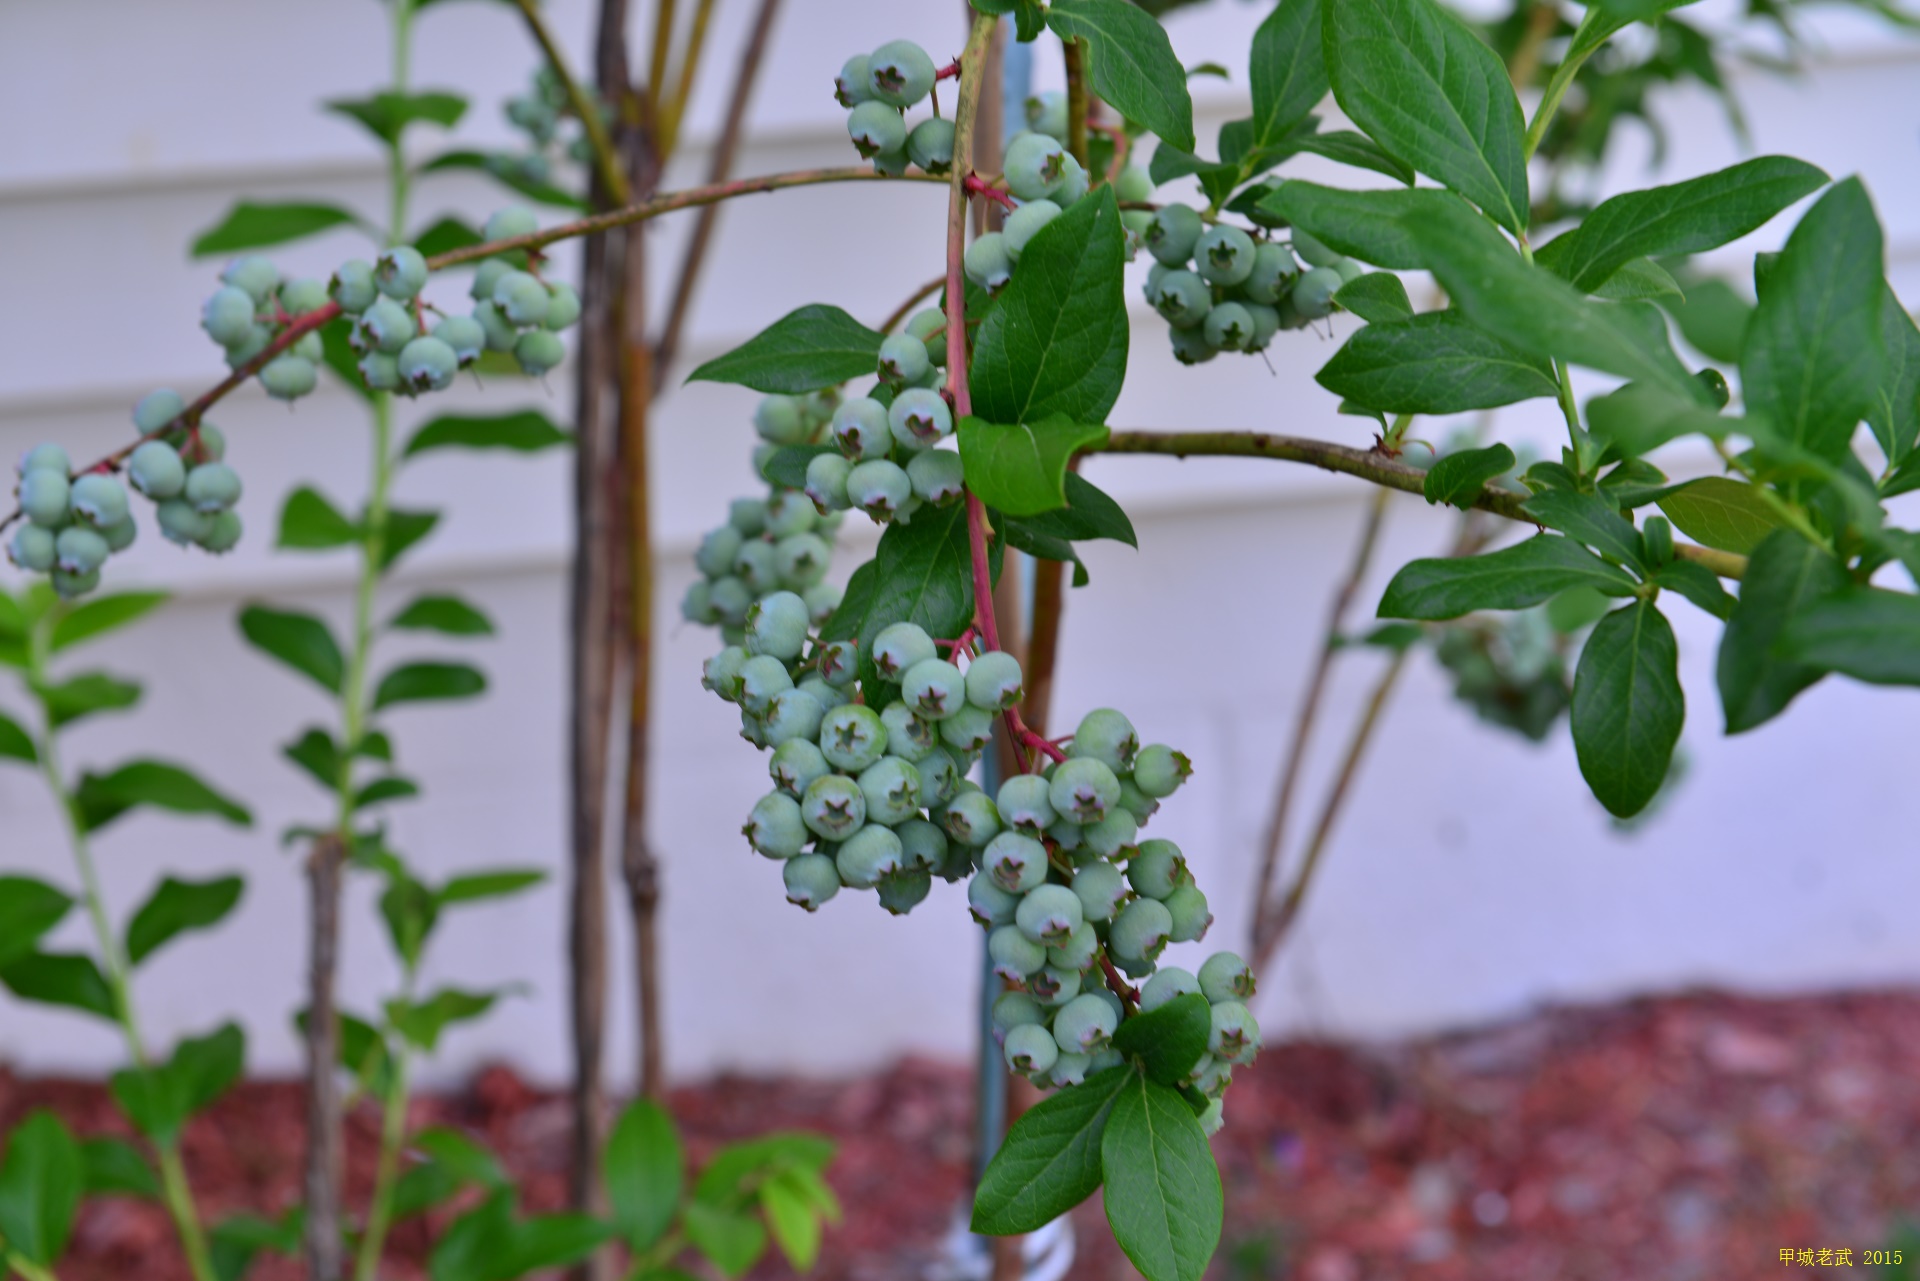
(1681, 1137)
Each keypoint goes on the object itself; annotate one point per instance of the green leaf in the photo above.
(1050, 1161)
(421, 1022)
(317, 753)
(101, 798)
(445, 235)
(1641, 278)
(723, 1181)
(1130, 63)
(1593, 521)
(421, 682)
(1718, 511)
(1377, 298)
(1534, 309)
(1867, 633)
(410, 911)
(41, 1180)
(645, 1173)
(1459, 477)
(59, 978)
(28, 909)
(793, 1220)
(477, 1246)
(1056, 339)
(1368, 225)
(1089, 514)
(1435, 363)
(1287, 69)
(1786, 575)
(99, 615)
(15, 743)
(787, 467)
(1516, 577)
(1169, 1040)
(553, 1240)
(177, 906)
(1345, 147)
(1163, 1195)
(308, 522)
(730, 1240)
(448, 615)
(114, 1167)
(1895, 410)
(504, 169)
(386, 115)
(1698, 584)
(1814, 360)
(236, 1240)
(392, 787)
(301, 641)
(1684, 218)
(806, 350)
(1424, 86)
(159, 1100)
(1627, 707)
(83, 695)
(453, 1162)
(1639, 418)
(250, 225)
(922, 573)
(1021, 470)
(474, 887)
(524, 431)
(1712, 317)
(404, 530)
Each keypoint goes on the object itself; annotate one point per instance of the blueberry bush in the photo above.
(904, 738)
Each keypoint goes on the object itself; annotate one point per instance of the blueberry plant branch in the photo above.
(674, 109)
(606, 160)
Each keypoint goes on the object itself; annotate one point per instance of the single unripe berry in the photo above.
(252, 344)
(1140, 930)
(1158, 770)
(1099, 887)
(1136, 802)
(98, 500)
(1111, 834)
(1016, 863)
(400, 273)
(876, 129)
(891, 786)
(853, 737)
(501, 333)
(352, 286)
(811, 880)
(827, 482)
(1190, 345)
(1230, 327)
(1135, 223)
(762, 677)
(1085, 1024)
(1064, 833)
(791, 714)
(968, 729)
(387, 326)
(1084, 789)
(722, 672)
(180, 522)
(1047, 113)
(1015, 1009)
(1210, 1076)
(80, 550)
(717, 550)
(833, 807)
(1023, 804)
(824, 694)
(1070, 1070)
(879, 488)
(1158, 869)
(213, 487)
(903, 890)
(521, 298)
(1107, 736)
(1078, 950)
(899, 647)
(774, 828)
(537, 351)
(1225, 977)
(227, 315)
(155, 410)
(1053, 986)
(66, 584)
(1133, 184)
(428, 364)
(697, 605)
(508, 223)
(33, 548)
(731, 599)
(929, 325)
(934, 689)
(908, 737)
(1266, 323)
(1224, 255)
(1024, 223)
(563, 306)
(919, 417)
(1034, 165)
(1191, 917)
(1074, 184)
(298, 297)
(1030, 1050)
(778, 419)
(801, 561)
(990, 905)
(1312, 251)
(937, 474)
(1182, 299)
(850, 86)
(288, 376)
(1213, 1118)
(224, 533)
(868, 855)
(940, 777)
(899, 73)
(922, 845)
(987, 263)
(777, 625)
(972, 819)
(839, 662)
(1165, 985)
(254, 275)
(757, 565)
(1272, 273)
(893, 164)
(930, 145)
(1235, 1035)
(994, 681)
(1049, 914)
(1014, 955)
(1312, 295)
(795, 765)
(465, 335)
(903, 359)
(486, 278)
(748, 515)
(1176, 229)
(859, 428)
(48, 457)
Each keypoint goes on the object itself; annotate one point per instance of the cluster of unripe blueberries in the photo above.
(540, 115)
(890, 462)
(879, 88)
(1221, 290)
(73, 523)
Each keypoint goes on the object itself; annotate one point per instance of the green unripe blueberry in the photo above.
(254, 342)
(80, 550)
(1272, 273)
(48, 457)
(400, 273)
(1230, 327)
(33, 548)
(1235, 1035)
(1190, 345)
(1014, 955)
(254, 275)
(352, 286)
(937, 474)
(535, 117)
(1135, 223)
(486, 278)
(929, 325)
(120, 535)
(1210, 1076)
(298, 297)
(1111, 834)
(1224, 255)
(1074, 184)
(839, 662)
(908, 737)
(521, 298)
(1078, 950)
(289, 377)
(833, 807)
(1049, 914)
(501, 334)
(1083, 789)
(1053, 986)
(1085, 1024)
(1030, 1050)
(1047, 113)
(388, 326)
(1034, 165)
(972, 819)
(879, 488)
(1140, 930)
(968, 729)
(538, 350)
(1349, 270)
(853, 737)
(793, 714)
(867, 855)
(777, 625)
(990, 905)
(1158, 869)
(1024, 223)
(891, 786)
(922, 845)
(1015, 1009)
(801, 560)
(1107, 736)
(152, 412)
(859, 428)
(899, 73)
(1070, 1070)
(1266, 323)
(1191, 917)
(1312, 295)
(1016, 863)
(903, 359)
(1023, 803)
(1165, 985)
(762, 677)
(1312, 251)
(779, 419)
(510, 222)
(465, 335)
(827, 482)
(308, 346)
(1214, 1118)
(899, 647)
(876, 129)
(891, 163)
(717, 550)
(850, 86)
(1064, 833)
(934, 689)
(563, 306)
(919, 418)
(213, 487)
(930, 145)
(180, 522)
(98, 500)
(1176, 229)
(227, 315)
(774, 828)
(1182, 299)
(748, 515)
(994, 681)
(697, 605)
(721, 673)
(795, 765)
(66, 584)
(903, 890)
(1158, 770)
(811, 880)
(224, 534)
(987, 262)
(1133, 184)
(940, 777)
(756, 565)
(1225, 977)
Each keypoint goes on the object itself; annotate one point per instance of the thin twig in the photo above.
(325, 1252)
(606, 161)
(1074, 57)
(912, 304)
(675, 110)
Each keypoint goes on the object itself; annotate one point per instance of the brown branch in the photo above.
(324, 1248)
(675, 111)
(606, 161)
(695, 256)
(1074, 56)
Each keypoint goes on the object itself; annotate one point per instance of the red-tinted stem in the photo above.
(1121, 988)
(975, 186)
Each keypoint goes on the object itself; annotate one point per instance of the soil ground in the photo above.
(1691, 1136)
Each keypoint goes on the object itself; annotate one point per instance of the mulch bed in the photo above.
(1692, 1136)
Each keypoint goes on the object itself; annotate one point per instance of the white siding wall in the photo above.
(1473, 875)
